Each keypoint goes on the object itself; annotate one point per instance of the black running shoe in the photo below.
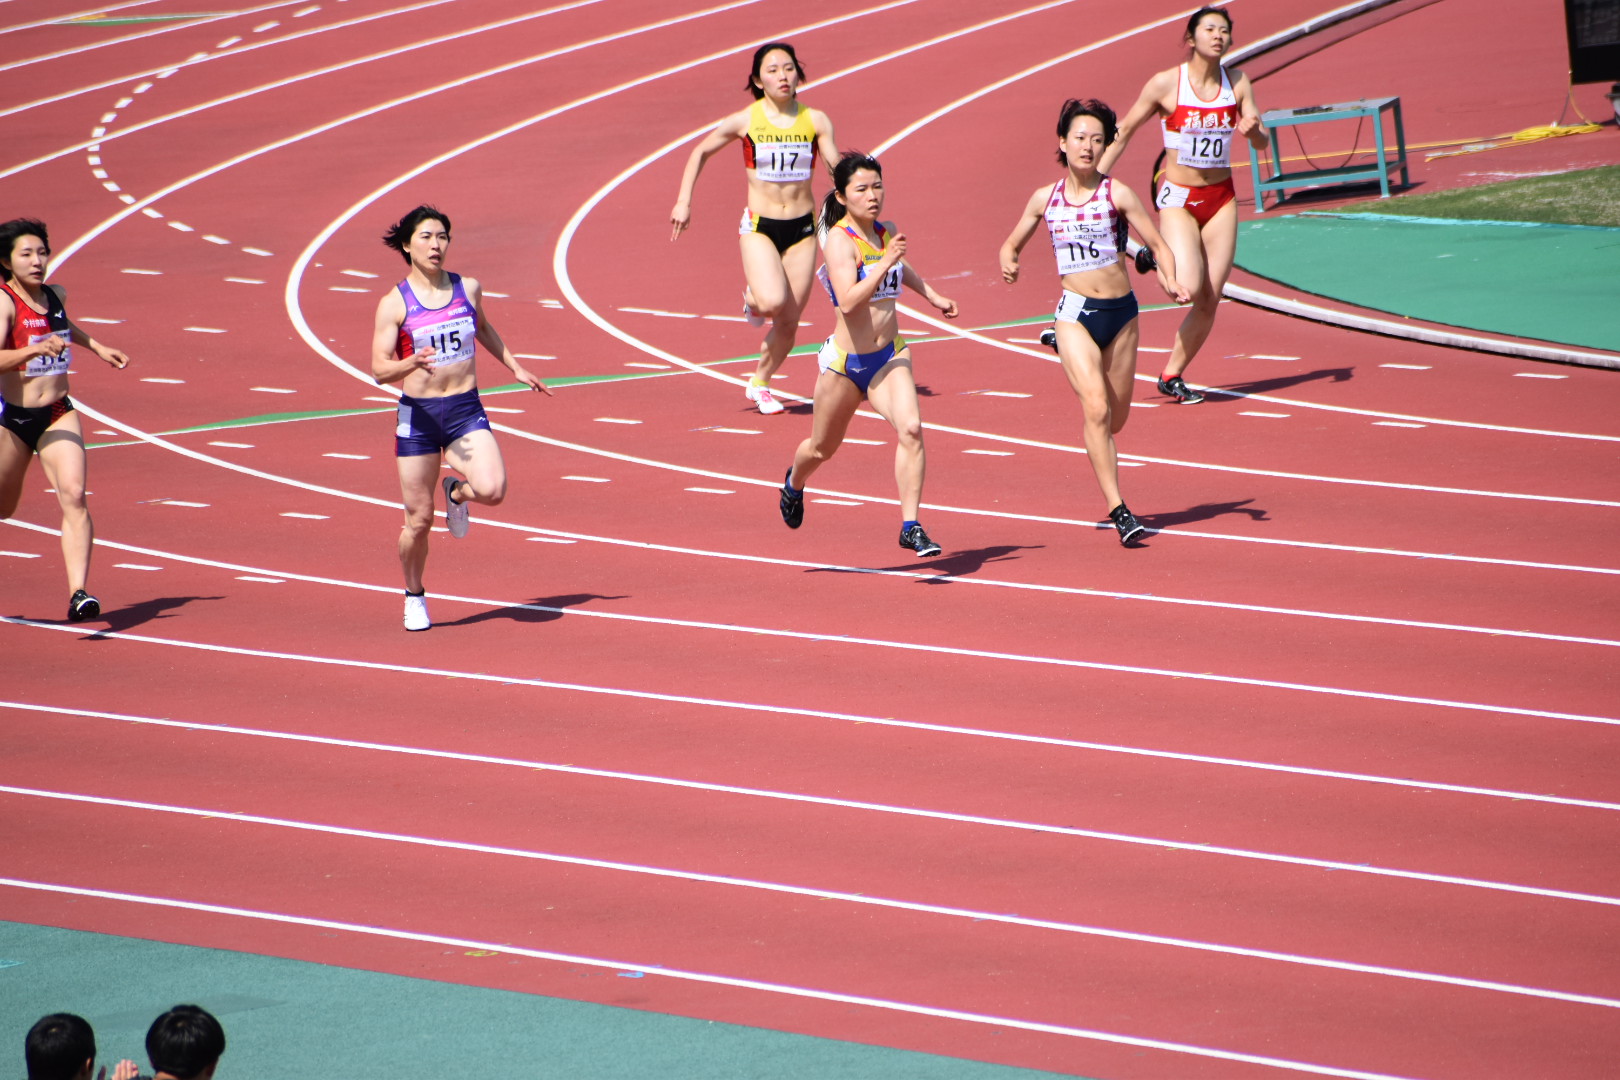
(791, 505)
(82, 606)
(1049, 338)
(1175, 387)
(1130, 530)
(914, 539)
(1145, 262)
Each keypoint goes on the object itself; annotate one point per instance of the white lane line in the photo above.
(306, 517)
(258, 251)
(19, 554)
(272, 390)
(199, 20)
(134, 566)
(1536, 375)
(1396, 423)
(731, 430)
(245, 281)
(233, 445)
(711, 491)
(181, 226)
(502, 409)
(1406, 782)
(703, 977)
(550, 540)
(212, 239)
(358, 273)
(863, 899)
(256, 577)
(158, 379)
(1266, 415)
(204, 330)
(1409, 367)
(1268, 356)
(656, 311)
(865, 442)
(615, 420)
(142, 273)
(590, 479)
(644, 364)
(347, 289)
(98, 322)
(347, 457)
(306, 486)
(989, 453)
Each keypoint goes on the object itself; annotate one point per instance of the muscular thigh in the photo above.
(477, 456)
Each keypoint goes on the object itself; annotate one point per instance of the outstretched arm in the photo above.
(112, 356)
(1013, 246)
(1146, 108)
(491, 340)
(1140, 220)
(726, 132)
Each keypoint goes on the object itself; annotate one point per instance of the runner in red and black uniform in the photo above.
(38, 415)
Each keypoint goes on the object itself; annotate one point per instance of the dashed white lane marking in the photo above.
(244, 281)
(590, 479)
(151, 213)
(181, 226)
(615, 420)
(301, 12)
(306, 517)
(711, 491)
(142, 273)
(1268, 356)
(180, 502)
(164, 381)
(347, 289)
(704, 978)
(1265, 415)
(204, 330)
(1397, 423)
(1536, 375)
(272, 390)
(1025, 340)
(258, 251)
(348, 457)
(1148, 348)
(550, 540)
(865, 442)
(988, 453)
(266, 580)
(233, 445)
(998, 393)
(134, 566)
(1409, 367)
(97, 321)
(723, 318)
(647, 365)
(19, 554)
(262, 27)
(533, 356)
(228, 42)
(364, 274)
(212, 239)
(731, 430)
(502, 409)
(491, 295)
(800, 890)
(384, 400)
(656, 311)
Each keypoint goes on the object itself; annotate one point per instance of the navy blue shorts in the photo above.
(428, 425)
(1103, 319)
(858, 368)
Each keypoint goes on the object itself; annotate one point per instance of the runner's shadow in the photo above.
(531, 612)
(956, 564)
(1283, 382)
(133, 615)
(1202, 512)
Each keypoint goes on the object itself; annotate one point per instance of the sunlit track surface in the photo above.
(1322, 779)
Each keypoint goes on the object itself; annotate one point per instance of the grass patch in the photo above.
(1584, 197)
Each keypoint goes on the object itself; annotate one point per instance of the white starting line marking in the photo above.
(645, 364)
(239, 280)
(662, 314)
(233, 445)
(711, 491)
(865, 442)
(159, 379)
(1396, 423)
(19, 554)
(204, 330)
(590, 479)
(990, 453)
(1536, 375)
(1408, 367)
(1266, 415)
(838, 502)
(143, 273)
(615, 420)
(550, 540)
(134, 566)
(502, 408)
(306, 517)
(272, 390)
(266, 580)
(348, 457)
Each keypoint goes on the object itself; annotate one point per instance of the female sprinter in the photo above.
(865, 357)
(38, 415)
(1085, 214)
(781, 140)
(1202, 105)
(424, 336)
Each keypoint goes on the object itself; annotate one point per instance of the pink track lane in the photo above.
(510, 200)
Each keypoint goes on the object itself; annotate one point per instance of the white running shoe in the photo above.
(752, 317)
(456, 515)
(416, 616)
(768, 405)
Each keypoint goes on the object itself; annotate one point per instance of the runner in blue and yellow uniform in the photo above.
(781, 140)
(865, 358)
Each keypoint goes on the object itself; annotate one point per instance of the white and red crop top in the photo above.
(1199, 131)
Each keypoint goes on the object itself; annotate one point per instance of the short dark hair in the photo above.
(849, 163)
(11, 232)
(184, 1041)
(1197, 16)
(759, 62)
(59, 1044)
(1086, 107)
(399, 234)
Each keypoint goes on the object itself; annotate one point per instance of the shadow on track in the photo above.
(133, 615)
(1203, 512)
(956, 564)
(1284, 382)
(534, 611)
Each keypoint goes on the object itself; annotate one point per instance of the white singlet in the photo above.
(1199, 131)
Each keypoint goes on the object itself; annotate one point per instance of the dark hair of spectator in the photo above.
(399, 234)
(849, 163)
(59, 1044)
(1197, 16)
(184, 1042)
(759, 61)
(1086, 107)
(13, 231)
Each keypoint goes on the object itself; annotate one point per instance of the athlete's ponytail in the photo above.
(849, 162)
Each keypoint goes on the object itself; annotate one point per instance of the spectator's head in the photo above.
(185, 1043)
(60, 1047)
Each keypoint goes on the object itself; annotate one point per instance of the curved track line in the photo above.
(692, 976)
(859, 805)
(816, 714)
(68, 17)
(200, 20)
(1132, 937)
(233, 53)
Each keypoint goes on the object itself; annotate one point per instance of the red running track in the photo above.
(1320, 779)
